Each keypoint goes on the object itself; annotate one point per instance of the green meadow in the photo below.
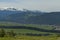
(54, 36)
(31, 38)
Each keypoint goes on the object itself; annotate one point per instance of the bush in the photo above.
(11, 33)
(58, 35)
(2, 33)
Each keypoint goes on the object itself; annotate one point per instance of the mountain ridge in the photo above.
(30, 17)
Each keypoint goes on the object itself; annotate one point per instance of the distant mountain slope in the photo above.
(52, 18)
(30, 17)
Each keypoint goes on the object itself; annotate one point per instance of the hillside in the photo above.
(26, 28)
(18, 25)
(30, 17)
(52, 18)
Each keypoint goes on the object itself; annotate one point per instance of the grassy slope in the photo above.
(27, 25)
(28, 31)
(25, 30)
(31, 38)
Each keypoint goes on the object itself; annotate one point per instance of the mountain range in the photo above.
(30, 16)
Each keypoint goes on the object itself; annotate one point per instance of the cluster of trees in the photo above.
(3, 33)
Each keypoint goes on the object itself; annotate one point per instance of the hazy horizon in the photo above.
(43, 5)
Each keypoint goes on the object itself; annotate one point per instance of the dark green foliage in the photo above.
(11, 33)
(2, 33)
(58, 35)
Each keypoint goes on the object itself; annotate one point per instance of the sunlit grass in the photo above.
(31, 38)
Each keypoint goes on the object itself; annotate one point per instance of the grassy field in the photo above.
(23, 31)
(48, 27)
(25, 37)
(31, 38)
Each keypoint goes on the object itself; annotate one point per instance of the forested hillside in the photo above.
(30, 17)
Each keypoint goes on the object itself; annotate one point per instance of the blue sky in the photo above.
(43, 5)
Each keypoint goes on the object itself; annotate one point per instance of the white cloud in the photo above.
(44, 5)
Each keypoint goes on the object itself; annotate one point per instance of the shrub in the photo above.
(11, 33)
(2, 33)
